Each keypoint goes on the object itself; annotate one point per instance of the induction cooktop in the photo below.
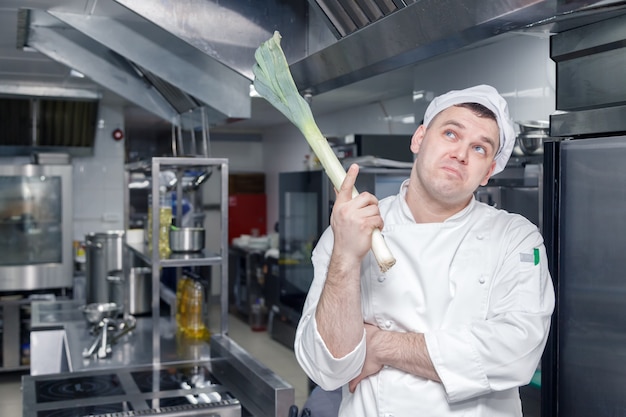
(171, 390)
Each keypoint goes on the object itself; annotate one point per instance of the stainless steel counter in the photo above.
(60, 333)
(64, 319)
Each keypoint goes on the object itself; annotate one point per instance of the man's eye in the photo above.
(450, 134)
(480, 149)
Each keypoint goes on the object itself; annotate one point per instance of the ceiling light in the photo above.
(253, 92)
(77, 74)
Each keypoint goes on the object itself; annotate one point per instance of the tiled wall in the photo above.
(99, 179)
(517, 65)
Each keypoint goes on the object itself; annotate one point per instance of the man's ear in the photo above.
(486, 179)
(418, 137)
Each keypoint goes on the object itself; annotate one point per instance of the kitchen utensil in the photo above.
(90, 351)
(140, 290)
(534, 126)
(105, 348)
(115, 281)
(531, 143)
(187, 239)
(96, 312)
(124, 328)
(103, 254)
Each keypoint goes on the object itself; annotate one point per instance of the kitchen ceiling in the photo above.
(160, 58)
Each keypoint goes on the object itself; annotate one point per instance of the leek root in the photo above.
(273, 81)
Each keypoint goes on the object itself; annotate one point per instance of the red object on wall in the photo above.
(247, 213)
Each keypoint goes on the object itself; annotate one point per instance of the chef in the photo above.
(461, 321)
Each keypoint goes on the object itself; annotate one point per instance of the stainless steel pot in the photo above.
(140, 291)
(103, 254)
(187, 239)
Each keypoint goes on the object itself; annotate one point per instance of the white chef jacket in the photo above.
(477, 285)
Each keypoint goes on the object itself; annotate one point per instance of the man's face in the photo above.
(455, 154)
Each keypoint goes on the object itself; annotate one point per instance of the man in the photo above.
(460, 322)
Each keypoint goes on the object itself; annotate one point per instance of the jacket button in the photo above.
(482, 279)
(388, 324)
(480, 237)
(381, 278)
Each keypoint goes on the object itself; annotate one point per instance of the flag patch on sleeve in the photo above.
(532, 257)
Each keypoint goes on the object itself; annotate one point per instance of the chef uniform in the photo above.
(476, 285)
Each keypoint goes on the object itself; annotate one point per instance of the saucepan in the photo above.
(186, 239)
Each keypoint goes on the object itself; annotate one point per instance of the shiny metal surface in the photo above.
(139, 289)
(36, 276)
(77, 51)
(187, 239)
(421, 30)
(605, 121)
(591, 234)
(178, 393)
(169, 58)
(103, 255)
(374, 62)
(582, 54)
(260, 390)
(230, 31)
(131, 350)
(203, 258)
(346, 17)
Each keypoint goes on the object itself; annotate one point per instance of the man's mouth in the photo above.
(452, 170)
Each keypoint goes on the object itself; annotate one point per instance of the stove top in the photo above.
(173, 378)
(174, 390)
(78, 387)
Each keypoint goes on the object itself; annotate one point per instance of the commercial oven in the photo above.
(35, 227)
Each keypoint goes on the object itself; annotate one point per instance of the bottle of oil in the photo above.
(191, 309)
(165, 222)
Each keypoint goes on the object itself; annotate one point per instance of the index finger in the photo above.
(345, 192)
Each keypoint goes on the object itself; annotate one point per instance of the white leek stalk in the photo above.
(274, 82)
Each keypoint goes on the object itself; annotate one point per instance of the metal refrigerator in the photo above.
(584, 366)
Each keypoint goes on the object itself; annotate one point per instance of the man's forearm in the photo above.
(338, 315)
(404, 351)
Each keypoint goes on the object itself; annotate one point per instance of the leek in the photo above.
(273, 81)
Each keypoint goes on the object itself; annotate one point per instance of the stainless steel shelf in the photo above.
(204, 258)
(201, 258)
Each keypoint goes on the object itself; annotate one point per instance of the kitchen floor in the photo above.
(260, 345)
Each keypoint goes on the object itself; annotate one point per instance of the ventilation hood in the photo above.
(379, 36)
(167, 58)
(172, 57)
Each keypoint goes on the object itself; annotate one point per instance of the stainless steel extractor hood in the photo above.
(380, 36)
(166, 57)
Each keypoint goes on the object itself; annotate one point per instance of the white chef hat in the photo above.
(488, 97)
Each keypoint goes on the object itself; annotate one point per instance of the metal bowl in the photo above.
(534, 127)
(96, 312)
(187, 239)
(531, 144)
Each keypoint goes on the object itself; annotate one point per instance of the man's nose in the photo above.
(460, 152)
